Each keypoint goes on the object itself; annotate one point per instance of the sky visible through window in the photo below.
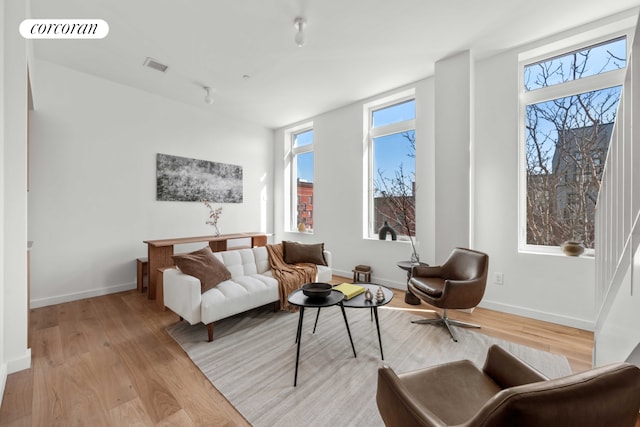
(391, 152)
(394, 150)
(305, 161)
(394, 114)
(582, 63)
(305, 167)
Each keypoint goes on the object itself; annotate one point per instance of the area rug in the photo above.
(252, 360)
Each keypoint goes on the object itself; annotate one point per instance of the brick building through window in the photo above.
(305, 204)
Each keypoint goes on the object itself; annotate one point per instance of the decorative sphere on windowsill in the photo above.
(571, 248)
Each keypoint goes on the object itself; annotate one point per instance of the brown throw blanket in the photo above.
(289, 276)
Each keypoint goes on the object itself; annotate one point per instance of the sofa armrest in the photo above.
(507, 371)
(182, 295)
(328, 257)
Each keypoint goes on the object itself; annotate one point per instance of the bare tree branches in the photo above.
(395, 196)
(567, 143)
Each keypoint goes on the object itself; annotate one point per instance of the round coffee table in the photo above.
(359, 302)
(299, 299)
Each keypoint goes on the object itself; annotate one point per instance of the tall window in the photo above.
(569, 103)
(391, 144)
(302, 180)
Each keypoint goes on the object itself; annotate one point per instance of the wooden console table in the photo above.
(161, 251)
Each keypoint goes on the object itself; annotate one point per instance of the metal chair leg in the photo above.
(463, 324)
(447, 322)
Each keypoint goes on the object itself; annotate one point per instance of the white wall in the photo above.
(13, 282)
(3, 363)
(93, 197)
(618, 334)
(453, 133)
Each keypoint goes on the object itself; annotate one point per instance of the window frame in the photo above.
(595, 82)
(292, 200)
(370, 133)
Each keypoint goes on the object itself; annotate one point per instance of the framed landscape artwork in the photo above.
(192, 180)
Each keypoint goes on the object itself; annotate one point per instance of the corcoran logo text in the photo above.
(64, 28)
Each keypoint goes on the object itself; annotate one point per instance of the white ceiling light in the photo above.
(299, 23)
(208, 98)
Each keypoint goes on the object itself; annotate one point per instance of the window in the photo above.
(390, 173)
(568, 104)
(300, 141)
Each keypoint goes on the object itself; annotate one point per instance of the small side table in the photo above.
(366, 276)
(410, 298)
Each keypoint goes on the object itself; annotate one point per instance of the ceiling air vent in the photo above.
(152, 63)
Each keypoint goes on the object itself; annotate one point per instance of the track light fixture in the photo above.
(299, 24)
(208, 98)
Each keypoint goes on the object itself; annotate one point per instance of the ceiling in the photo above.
(354, 48)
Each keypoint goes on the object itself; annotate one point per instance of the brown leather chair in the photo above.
(508, 392)
(458, 283)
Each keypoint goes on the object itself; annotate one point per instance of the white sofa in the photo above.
(251, 285)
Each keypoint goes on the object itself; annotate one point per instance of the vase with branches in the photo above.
(214, 216)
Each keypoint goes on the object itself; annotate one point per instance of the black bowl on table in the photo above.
(316, 290)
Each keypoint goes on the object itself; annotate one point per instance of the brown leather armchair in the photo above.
(458, 283)
(508, 392)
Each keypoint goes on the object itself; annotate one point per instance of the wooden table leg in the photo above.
(160, 288)
(159, 257)
(258, 241)
(140, 275)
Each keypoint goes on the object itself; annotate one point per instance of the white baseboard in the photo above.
(3, 379)
(19, 364)
(12, 366)
(59, 299)
(573, 322)
(492, 305)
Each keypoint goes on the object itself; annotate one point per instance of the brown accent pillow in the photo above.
(295, 252)
(203, 265)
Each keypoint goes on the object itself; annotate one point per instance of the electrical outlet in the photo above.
(499, 278)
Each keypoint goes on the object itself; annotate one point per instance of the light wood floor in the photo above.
(109, 361)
